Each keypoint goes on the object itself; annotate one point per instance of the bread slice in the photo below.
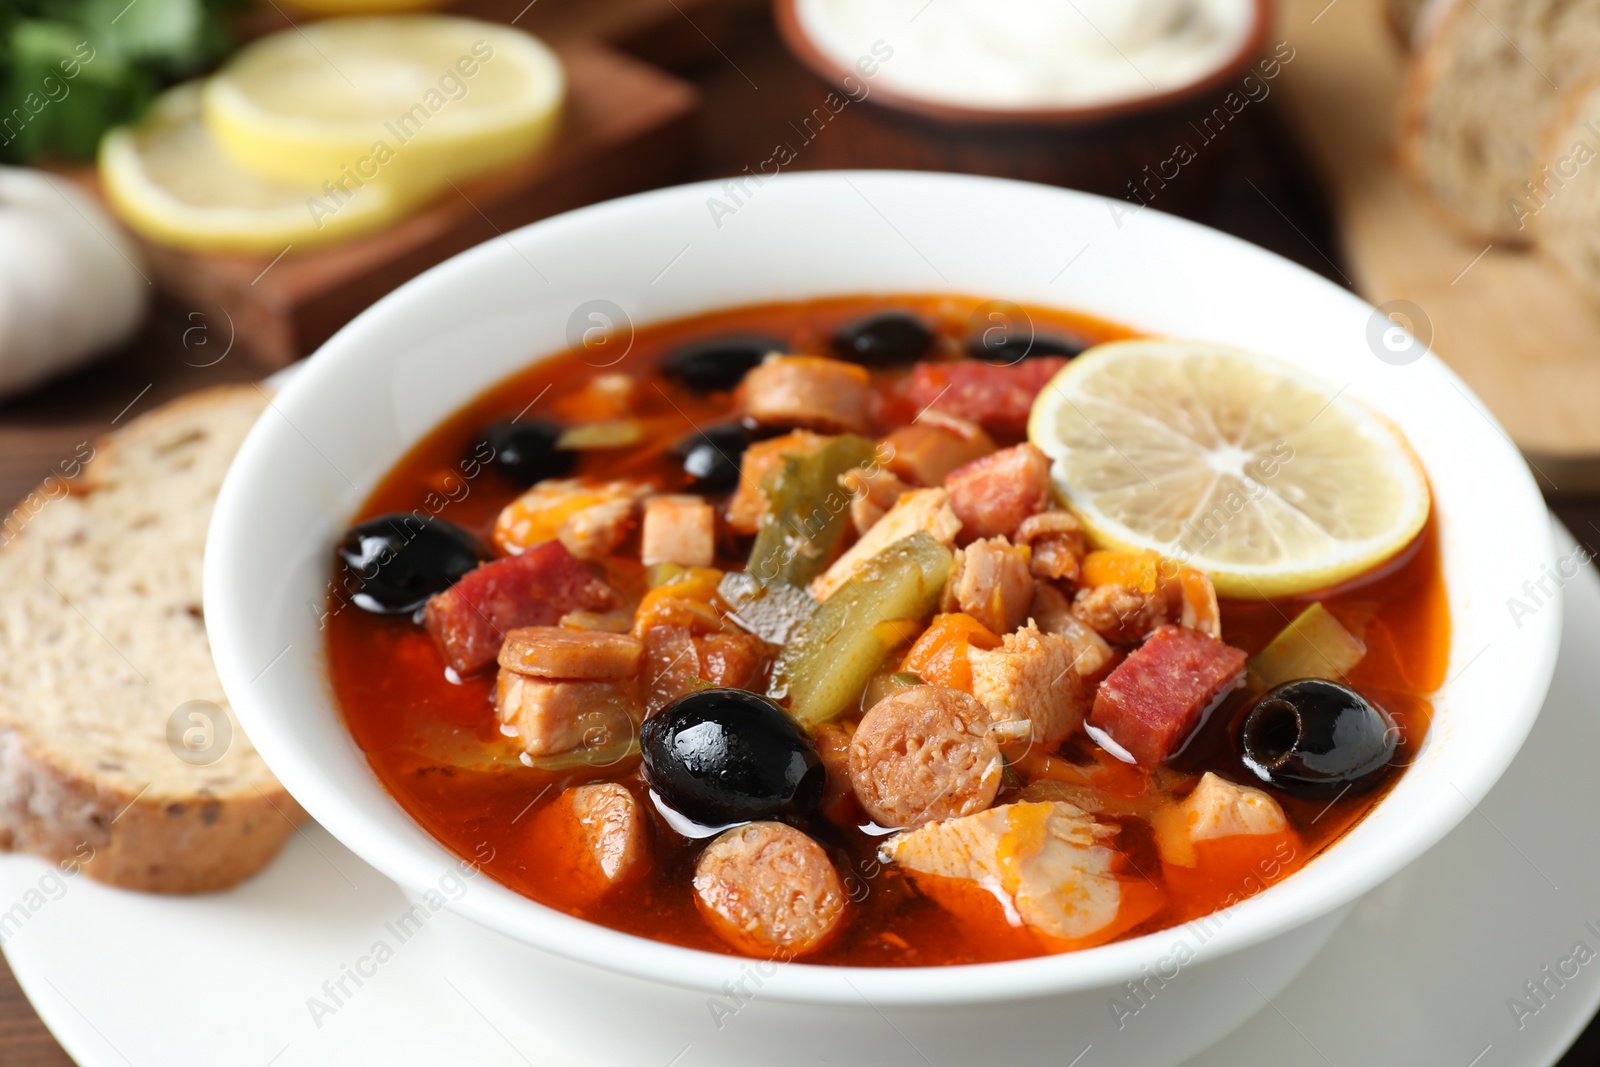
(1481, 94)
(1413, 21)
(1562, 204)
(102, 643)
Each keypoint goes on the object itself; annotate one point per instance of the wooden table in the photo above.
(751, 88)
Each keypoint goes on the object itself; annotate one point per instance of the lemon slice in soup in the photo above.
(1241, 465)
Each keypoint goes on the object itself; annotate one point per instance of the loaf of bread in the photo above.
(1413, 20)
(1562, 205)
(118, 753)
(1482, 91)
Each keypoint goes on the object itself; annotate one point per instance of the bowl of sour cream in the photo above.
(1089, 93)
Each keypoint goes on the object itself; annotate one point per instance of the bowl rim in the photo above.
(413, 858)
(810, 55)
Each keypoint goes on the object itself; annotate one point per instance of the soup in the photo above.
(800, 655)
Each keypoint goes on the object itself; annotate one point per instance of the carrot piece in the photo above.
(688, 599)
(940, 655)
(1139, 571)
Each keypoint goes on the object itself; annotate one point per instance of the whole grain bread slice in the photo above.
(118, 752)
(1481, 94)
(1563, 202)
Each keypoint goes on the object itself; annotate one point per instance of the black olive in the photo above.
(1005, 348)
(721, 756)
(525, 450)
(718, 363)
(711, 457)
(884, 340)
(1314, 738)
(396, 562)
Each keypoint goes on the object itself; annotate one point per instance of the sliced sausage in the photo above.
(809, 391)
(732, 660)
(993, 495)
(1156, 697)
(923, 754)
(768, 890)
(593, 837)
(557, 652)
(991, 582)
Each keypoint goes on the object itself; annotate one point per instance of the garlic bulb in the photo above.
(70, 286)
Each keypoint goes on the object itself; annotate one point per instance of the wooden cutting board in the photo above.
(627, 127)
(1512, 324)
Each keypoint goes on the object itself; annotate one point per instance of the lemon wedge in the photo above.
(412, 100)
(1244, 466)
(169, 182)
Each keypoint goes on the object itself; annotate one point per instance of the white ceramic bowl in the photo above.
(427, 348)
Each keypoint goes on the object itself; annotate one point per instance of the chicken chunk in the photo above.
(993, 495)
(769, 890)
(1057, 541)
(809, 391)
(590, 520)
(1052, 613)
(1050, 864)
(922, 510)
(1154, 700)
(678, 529)
(936, 444)
(991, 582)
(749, 503)
(1031, 678)
(922, 754)
(1216, 809)
(556, 652)
(1119, 614)
(873, 491)
(548, 717)
(593, 837)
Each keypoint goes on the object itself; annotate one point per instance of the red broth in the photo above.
(391, 685)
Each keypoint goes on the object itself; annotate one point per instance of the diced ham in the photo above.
(1058, 544)
(923, 754)
(1119, 614)
(1031, 678)
(993, 495)
(1216, 809)
(469, 620)
(749, 502)
(550, 717)
(678, 529)
(1156, 697)
(769, 890)
(590, 520)
(922, 510)
(1050, 863)
(809, 391)
(923, 452)
(555, 652)
(873, 491)
(1052, 613)
(991, 582)
(999, 398)
(593, 837)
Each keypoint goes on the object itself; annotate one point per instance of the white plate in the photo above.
(1425, 971)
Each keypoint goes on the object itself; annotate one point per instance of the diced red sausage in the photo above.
(470, 619)
(1154, 699)
(768, 890)
(992, 495)
(998, 398)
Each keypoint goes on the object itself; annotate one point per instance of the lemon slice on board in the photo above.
(1244, 466)
(168, 181)
(416, 99)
